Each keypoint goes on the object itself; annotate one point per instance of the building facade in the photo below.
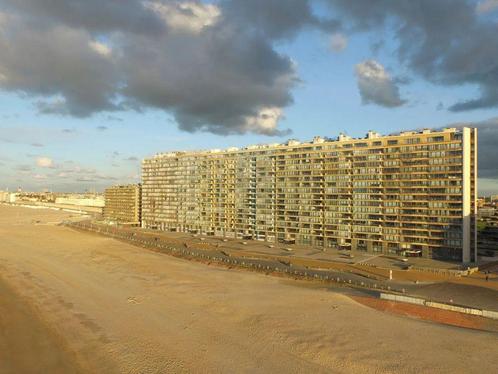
(123, 204)
(411, 193)
(8, 197)
(97, 201)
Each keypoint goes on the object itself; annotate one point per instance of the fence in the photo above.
(179, 249)
(450, 272)
(182, 250)
(432, 304)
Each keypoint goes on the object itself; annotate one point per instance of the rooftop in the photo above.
(342, 138)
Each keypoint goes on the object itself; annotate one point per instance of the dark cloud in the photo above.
(487, 135)
(57, 62)
(488, 99)
(39, 145)
(212, 66)
(487, 148)
(376, 86)
(68, 131)
(97, 16)
(444, 41)
(132, 158)
(232, 83)
(275, 19)
(101, 128)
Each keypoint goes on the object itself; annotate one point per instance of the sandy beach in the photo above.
(76, 302)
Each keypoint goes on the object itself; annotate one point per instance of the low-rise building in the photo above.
(122, 204)
(97, 202)
(7, 197)
(4, 196)
(486, 212)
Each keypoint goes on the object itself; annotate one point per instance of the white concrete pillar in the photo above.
(474, 218)
(466, 190)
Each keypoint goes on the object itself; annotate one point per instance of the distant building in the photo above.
(7, 197)
(486, 212)
(494, 198)
(481, 202)
(35, 197)
(123, 204)
(3, 196)
(410, 193)
(97, 202)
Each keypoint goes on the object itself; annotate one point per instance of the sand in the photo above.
(26, 344)
(105, 306)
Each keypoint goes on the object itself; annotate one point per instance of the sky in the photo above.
(90, 88)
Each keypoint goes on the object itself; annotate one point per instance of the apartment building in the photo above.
(123, 204)
(7, 197)
(411, 193)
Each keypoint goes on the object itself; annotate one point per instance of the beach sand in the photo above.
(72, 301)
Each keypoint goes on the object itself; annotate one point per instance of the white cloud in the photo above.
(338, 42)
(39, 177)
(186, 16)
(487, 6)
(44, 162)
(376, 85)
(100, 48)
(265, 121)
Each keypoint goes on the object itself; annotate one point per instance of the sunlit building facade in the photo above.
(409, 193)
(123, 204)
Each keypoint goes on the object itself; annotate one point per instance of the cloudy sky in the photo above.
(89, 88)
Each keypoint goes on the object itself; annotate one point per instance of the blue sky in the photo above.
(63, 152)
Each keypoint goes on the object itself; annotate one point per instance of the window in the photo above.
(436, 139)
(413, 141)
